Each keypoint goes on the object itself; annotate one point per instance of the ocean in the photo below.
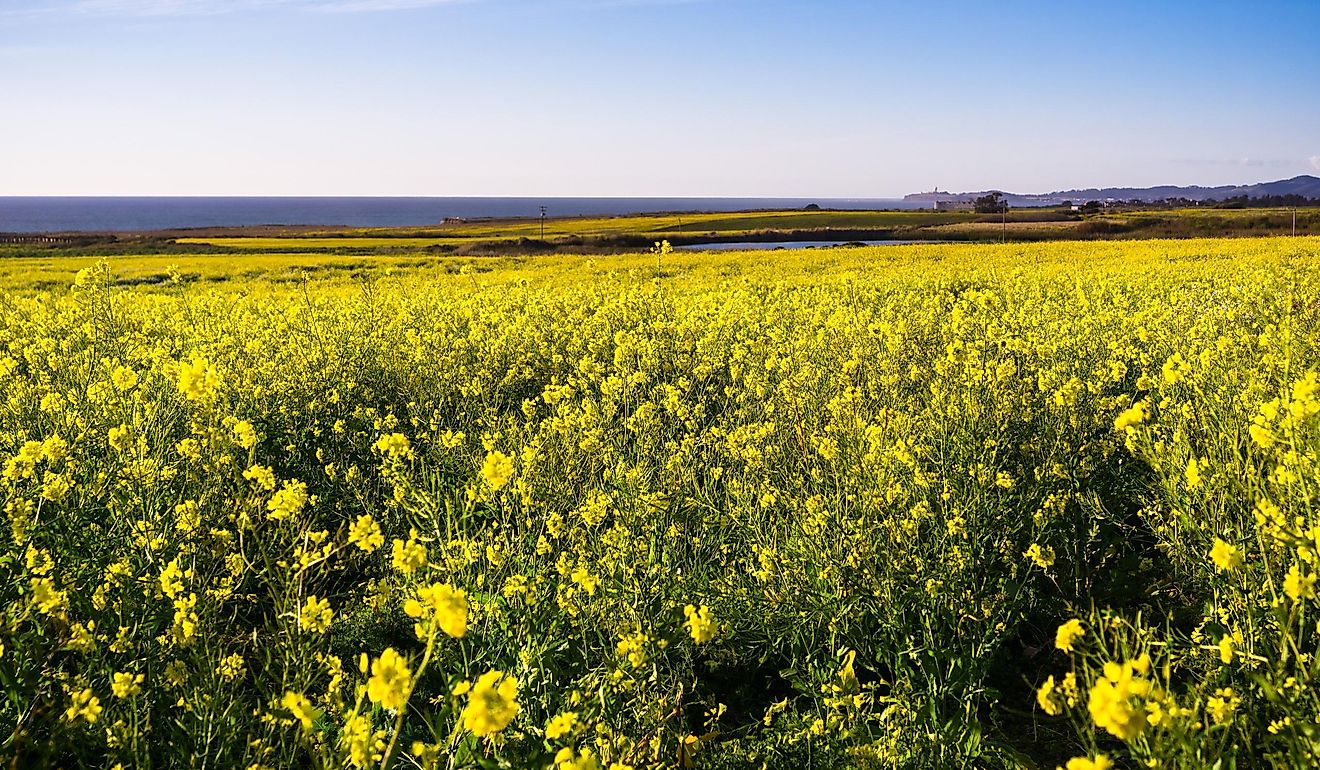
(42, 215)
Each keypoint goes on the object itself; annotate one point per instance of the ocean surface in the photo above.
(38, 215)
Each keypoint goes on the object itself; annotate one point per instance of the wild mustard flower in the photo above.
(262, 476)
(315, 615)
(568, 758)
(304, 713)
(409, 555)
(1193, 473)
(1131, 417)
(365, 534)
(391, 680)
(1067, 635)
(1099, 762)
(587, 581)
(1298, 586)
(46, 598)
(1222, 705)
(244, 434)
(358, 741)
(561, 725)
(492, 704)
(124, 378)
(1117, 701)
(120, 438)
(171, 579)
(699, 623)
(1174, 369)
(633, 647)
(443, 603)
(496, 470)
(231, 667)
(288, 501)
(1226, 558)
(126, 685)
(198, 380)
(83, 705)
(1226, 648)
(1045, 698)
(394, 445)
(1041, 556)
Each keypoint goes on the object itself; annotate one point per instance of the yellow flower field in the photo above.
(923, 507)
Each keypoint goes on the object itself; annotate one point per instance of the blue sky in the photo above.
(828, 98)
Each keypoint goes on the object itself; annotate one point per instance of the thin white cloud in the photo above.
(639, 3)
(1315, 162)
(366, 6)
(25, 51)
(168, 8)
(1245, 162)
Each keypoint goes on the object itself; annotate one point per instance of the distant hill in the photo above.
(1305, 186)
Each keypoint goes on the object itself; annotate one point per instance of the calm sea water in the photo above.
(36, 215)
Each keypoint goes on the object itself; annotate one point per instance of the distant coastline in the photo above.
(134, 214)
(1304, 186)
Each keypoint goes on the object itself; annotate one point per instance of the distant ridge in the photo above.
(1306, 186)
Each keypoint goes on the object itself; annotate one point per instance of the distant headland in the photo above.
(1304, 186)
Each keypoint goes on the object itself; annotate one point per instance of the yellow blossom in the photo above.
(1226, 648)
(492, 704)
(123, 378)
(391, 680)
(561, 725)
(394, 445)
(409, 555)
(85, 705)
(126, 685)
(1068, 634)
(1042, 556)
(244, 434)
(302, 709)
(1132, 416)
(1193, 473)
(445, 604)
(700, 624)
(1118, 700)
(569, 759)
(289, 501)
(231, 667)
(496, 470)
(1222, 705)
(1225, 557)
(365, 534)
(1298, 586)
(46, 598)
(316, 615)
(198, 380)
(1045, 698)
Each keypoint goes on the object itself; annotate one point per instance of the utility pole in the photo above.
(1294, 223)
(543, 223)
(1004, 212)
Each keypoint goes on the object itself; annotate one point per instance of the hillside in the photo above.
(1305, 185)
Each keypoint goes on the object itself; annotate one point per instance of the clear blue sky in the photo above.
(823, 98)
